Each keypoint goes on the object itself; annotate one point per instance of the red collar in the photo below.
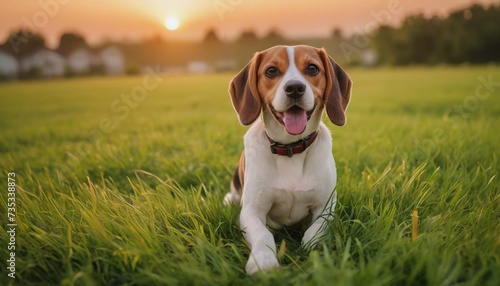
(292, 148)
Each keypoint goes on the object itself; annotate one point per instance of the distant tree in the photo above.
(71, 41)
(465, 35)
(23, 42)
(274, 35)
(273, 38)
(248, 36)
(481, 32)
(211, 37)
(337, 34)
(384, 44)
(156, 39)
(422, 39)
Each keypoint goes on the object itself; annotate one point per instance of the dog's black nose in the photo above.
(294, 89)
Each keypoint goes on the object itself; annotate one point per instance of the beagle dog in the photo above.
(286, 171)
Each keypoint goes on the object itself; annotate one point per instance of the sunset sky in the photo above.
(100, 20)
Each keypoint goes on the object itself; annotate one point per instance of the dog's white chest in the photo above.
(298, 188)
(292, 174)
(290, 207)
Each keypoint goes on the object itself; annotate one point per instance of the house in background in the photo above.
(77, 61)
(44, 63)
(80, 61)
(73, 57)
(226, 65)
(113, 60)
(84, 61)
(9, 67)
(368, 57)
(199, 67)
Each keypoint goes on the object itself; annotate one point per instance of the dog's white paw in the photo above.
(230, 199)
(311, 239)
(260, 261)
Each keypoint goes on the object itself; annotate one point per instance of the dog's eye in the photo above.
(272, 72)
(312, 69)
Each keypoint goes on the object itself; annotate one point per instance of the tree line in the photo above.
(469, 35)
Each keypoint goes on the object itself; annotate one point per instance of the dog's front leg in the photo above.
(260, 239)
(320, 215)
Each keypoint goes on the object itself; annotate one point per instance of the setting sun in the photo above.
(171, 23)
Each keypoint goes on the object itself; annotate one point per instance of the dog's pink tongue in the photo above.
(295, 121)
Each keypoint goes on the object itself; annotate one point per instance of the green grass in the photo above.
(142, 204)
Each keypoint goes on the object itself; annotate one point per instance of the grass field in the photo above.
(116, 191)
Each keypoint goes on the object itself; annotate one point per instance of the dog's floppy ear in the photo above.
(244, 94)
(338, 90)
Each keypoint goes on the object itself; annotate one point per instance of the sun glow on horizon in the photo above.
(172, 23)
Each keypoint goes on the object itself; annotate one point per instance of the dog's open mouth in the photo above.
(294, 119)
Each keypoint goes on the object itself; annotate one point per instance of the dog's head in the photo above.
(291, 84)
